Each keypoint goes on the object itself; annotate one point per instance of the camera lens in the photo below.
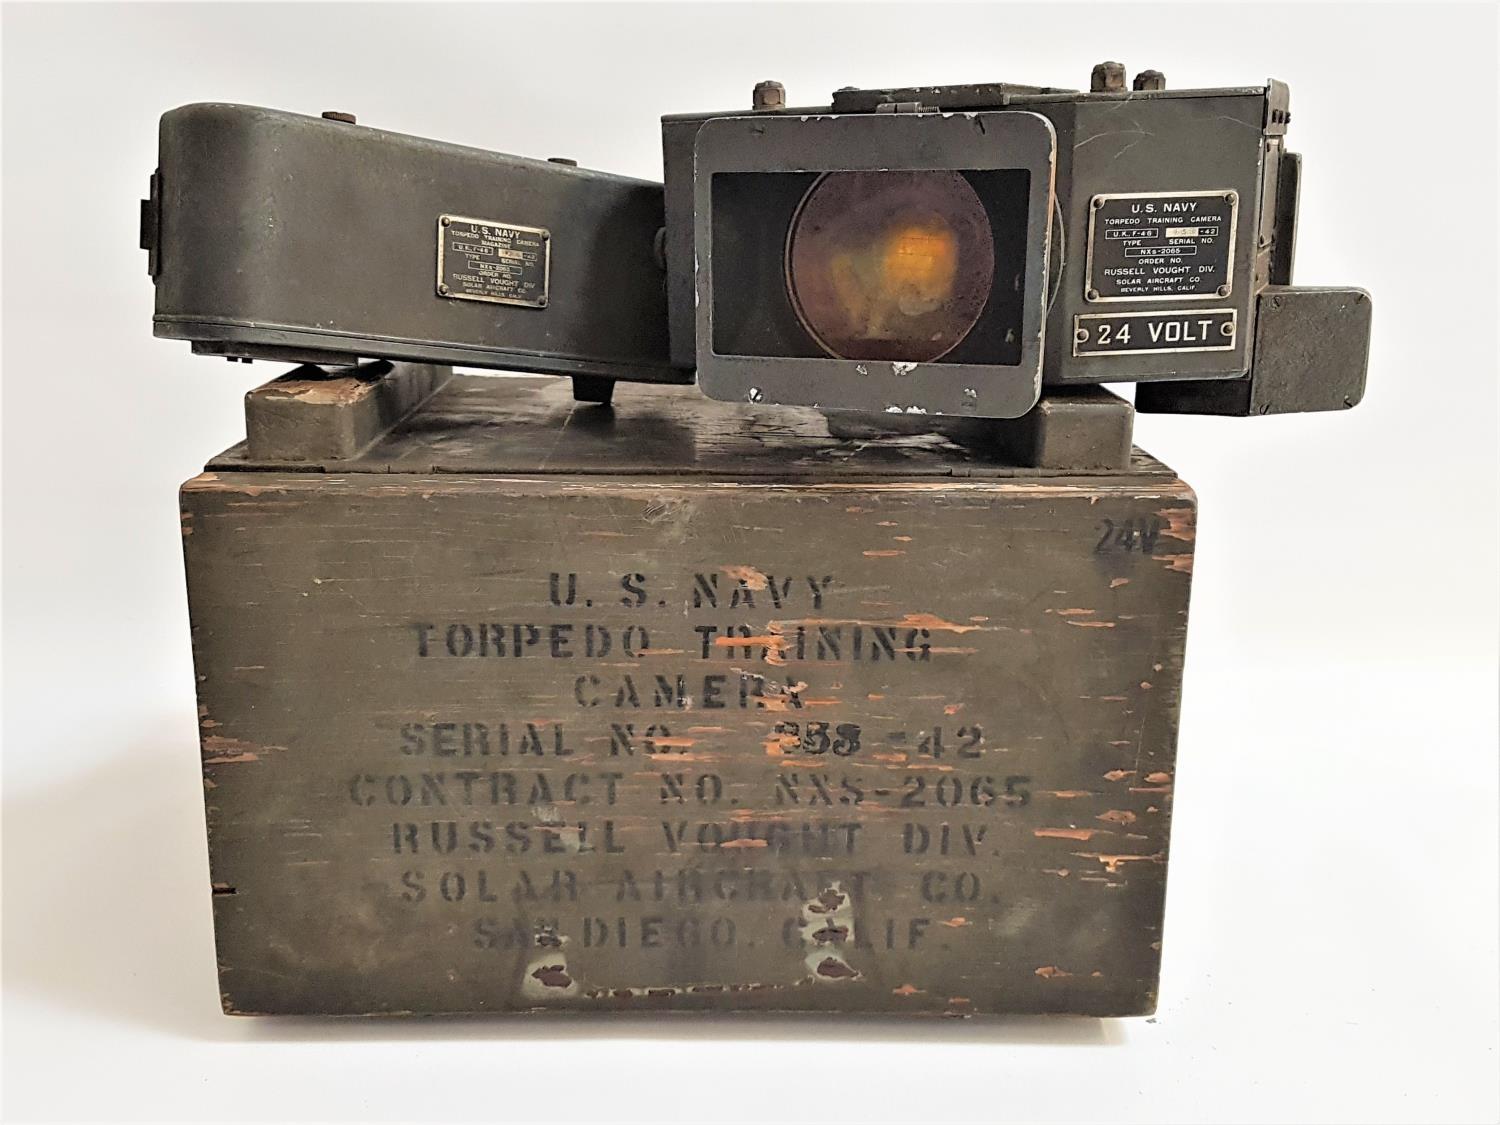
(892, 266)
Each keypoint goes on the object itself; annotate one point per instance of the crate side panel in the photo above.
(563, 744)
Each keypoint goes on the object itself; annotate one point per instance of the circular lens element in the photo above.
(890, 265)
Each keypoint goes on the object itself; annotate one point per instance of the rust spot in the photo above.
(1182, 564)
(1117, 816)
(1069, 794)
(1047, 972)
(954, 923)
(827, 902)
(321, 392)
(886, 554)
(1118, 775)
(1076, 612)
(743, 844)
(1116, 583)
(222, 750)
(830, 934)
(1112, 862)
(930, 621)
(953, 708)
(1093, 624)
(907, 990)
(1066, 833)
(553, 976)
(1158, 778)
(1060, 872)
(1179, 524)
(751, 577)
(835, 969)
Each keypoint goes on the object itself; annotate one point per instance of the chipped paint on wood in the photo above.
(405, 723)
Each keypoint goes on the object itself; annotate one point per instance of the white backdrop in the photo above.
(1337, 963)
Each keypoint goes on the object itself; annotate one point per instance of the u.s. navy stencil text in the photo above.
(506, 814)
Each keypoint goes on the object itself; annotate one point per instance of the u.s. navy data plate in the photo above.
(1169, 246)
(484, 260)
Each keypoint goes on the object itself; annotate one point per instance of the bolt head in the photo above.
(443, 289)
(1092, 294)
(1107, 78)
(1150, 80)
(768, 95)
(1222, 290)
(1081, 335)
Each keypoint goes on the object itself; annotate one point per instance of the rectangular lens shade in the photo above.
(892, 263)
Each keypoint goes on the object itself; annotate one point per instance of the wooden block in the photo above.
(309, 415)
(770, 722)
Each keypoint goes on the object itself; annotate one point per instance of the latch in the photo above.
(151, 226)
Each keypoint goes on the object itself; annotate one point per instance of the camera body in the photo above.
(1121, 236)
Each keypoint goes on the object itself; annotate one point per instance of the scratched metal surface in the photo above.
(481, 424)
(902, 744)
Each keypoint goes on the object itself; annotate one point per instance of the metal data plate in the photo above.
(1148, 333)
(1161, 246)
(486, 260)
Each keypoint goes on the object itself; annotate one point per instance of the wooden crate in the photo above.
(683, 706)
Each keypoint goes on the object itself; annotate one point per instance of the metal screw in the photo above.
(443, 289)
(768, 95)
(1227, 328)
(1081, 335)
(1092, 294)
(541, 302)
(1222, 290)
(1231, 197)
(1150, 80)
(339, 115)
(1107, 78)
(1098, 202)
(446, 221)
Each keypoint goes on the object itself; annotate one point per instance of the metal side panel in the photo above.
(275, 231)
